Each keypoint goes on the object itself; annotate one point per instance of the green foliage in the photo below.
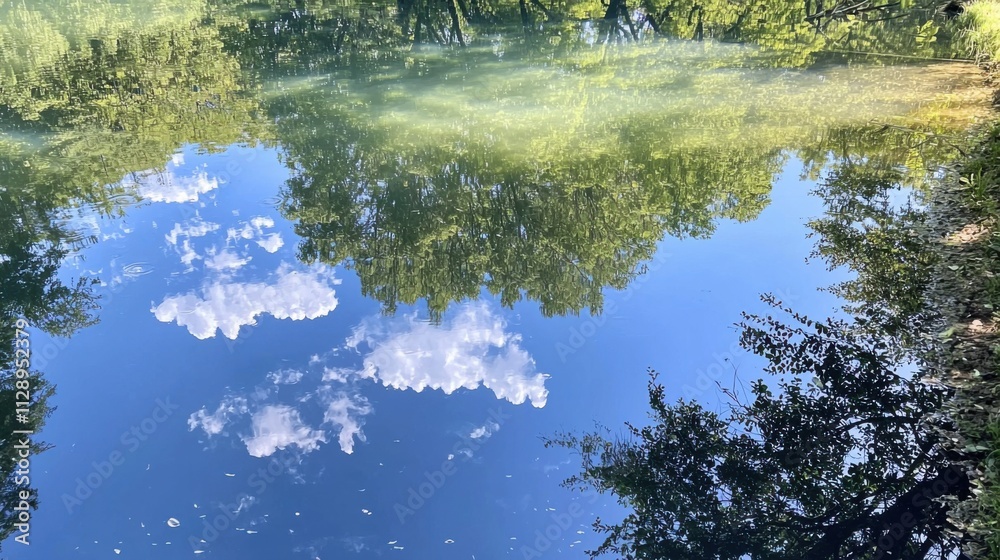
(549, 172)
(91, 109)
(968, 295)
(32, 248)
(839, 456)
(825, 465)
(988, 500)
(879, 240)
(438, 208)
(980, 29)
(40, 410)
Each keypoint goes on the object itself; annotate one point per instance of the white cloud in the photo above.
(254, 230)
(167, 186)
(214, 423)
(271, 242)
(277, 427)
(473, 349)
(285, 376)
(225, 259)
(261, 222)
(345, 412)
(193, 228)
(226, 306)
(485, 431)
(339, 375)
(243, 232)
(188, 254)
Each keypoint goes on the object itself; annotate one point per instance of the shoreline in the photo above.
(963, 229)
(964, 221)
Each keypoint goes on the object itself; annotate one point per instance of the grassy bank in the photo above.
(981, 23)
(966, 294)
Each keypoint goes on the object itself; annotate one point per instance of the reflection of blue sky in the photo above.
(269, 359)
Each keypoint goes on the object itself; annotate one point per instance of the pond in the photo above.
(333, 269)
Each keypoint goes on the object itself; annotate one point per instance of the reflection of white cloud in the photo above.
(214, 423)
(344, 411)
(246, 502)
(261, 222)
(354, 544)
(277, 427)
(485, 431)
(339, 375)
(193, 228)
(285, 376)
(473, 349)
(243, 232)
(271, 242)
(169, 187)
(226, 306)
(188, 254)
(225, 259)
(254, 230)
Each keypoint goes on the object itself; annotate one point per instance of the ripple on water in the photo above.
(136, 270)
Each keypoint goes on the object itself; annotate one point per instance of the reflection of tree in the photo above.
(89, 96)
(794, 32)
(97, 107)
(432, 172)
(833, 463)
(547, 179)
(878, 239)
(32, 249)
(420, 220)
(290, 41)
(841, 458)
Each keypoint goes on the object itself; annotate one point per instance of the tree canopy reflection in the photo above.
(552, 180)
(543, 162)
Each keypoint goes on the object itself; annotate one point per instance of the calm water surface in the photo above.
(349, 270)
